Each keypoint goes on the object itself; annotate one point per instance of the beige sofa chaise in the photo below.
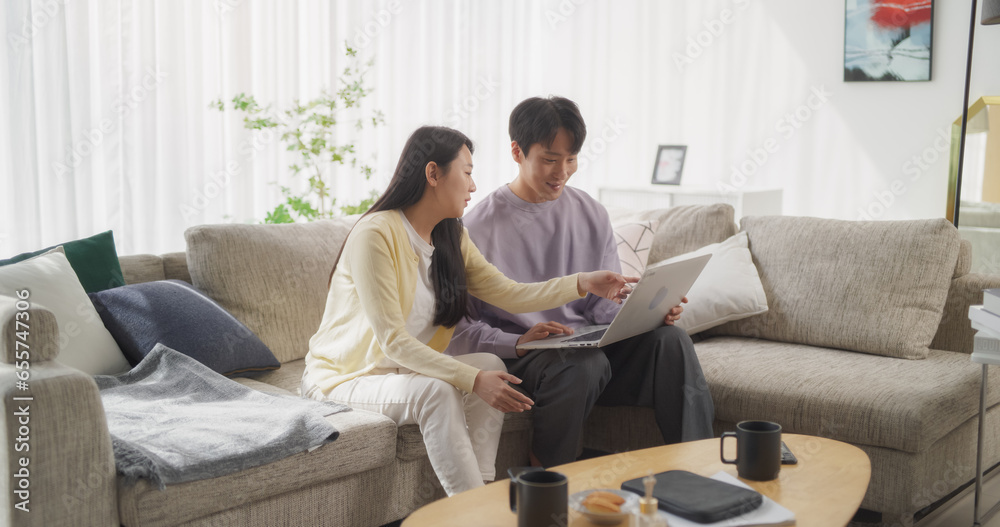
(842, 296)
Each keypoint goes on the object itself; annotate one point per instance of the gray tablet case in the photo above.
(697, 498)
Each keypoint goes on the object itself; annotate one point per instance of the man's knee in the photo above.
(672, 338)
(599, 367)
(582, 368)
(671, 333)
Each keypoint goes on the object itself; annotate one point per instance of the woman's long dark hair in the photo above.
(439, 145)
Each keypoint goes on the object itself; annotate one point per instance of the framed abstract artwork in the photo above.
(669, 164)
(888, 40)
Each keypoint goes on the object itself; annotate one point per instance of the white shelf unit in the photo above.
(746, 202)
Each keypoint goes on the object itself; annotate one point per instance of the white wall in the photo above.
(867, 150)
(883, 126)
(851, 158)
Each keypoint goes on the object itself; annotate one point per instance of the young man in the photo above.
(536, 228)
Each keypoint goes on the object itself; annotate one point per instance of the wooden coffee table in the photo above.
(825, 488)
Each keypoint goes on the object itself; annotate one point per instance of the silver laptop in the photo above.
(659, 290)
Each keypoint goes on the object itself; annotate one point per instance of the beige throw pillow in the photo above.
(728, 288)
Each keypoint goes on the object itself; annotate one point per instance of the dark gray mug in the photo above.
(758, 449)
(539, 497)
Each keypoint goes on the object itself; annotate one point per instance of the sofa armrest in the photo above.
(57, 460)
(955, 333)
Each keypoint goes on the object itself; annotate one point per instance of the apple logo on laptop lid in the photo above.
(658, 298)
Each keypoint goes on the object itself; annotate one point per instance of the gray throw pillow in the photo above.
(173, 313)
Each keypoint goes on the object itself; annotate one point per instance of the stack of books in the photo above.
(986, 319)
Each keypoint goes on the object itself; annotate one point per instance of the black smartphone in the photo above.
(787, 457)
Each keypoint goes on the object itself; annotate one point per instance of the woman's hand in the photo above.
(492, 387)
(606, 284)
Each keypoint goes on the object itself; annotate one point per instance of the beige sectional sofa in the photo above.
(847, 301)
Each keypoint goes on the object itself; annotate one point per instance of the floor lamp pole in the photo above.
(965, 115)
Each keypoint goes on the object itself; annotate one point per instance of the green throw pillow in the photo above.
(94, 260)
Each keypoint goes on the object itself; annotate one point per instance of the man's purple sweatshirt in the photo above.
(532, 242)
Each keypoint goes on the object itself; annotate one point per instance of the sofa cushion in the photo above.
(876, 287)
(94, 259)
(367, 440)
(854, 397)
(689, 227)
(273, 278)
(51, 283)
(173, 313)
(634, 240)
(141, 268)
(955, 332)
(270, 389)
(175, 267)
(288, 377)
(681, 229)
(728, 288)
(964, 264)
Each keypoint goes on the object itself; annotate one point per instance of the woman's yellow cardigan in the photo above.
(370, 299)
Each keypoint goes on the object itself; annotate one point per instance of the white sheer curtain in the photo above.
(106, 122)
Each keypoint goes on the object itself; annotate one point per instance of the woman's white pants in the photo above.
(461, 432)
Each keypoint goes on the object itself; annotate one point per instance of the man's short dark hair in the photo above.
(538, 120)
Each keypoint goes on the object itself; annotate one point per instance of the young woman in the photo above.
(400, 285)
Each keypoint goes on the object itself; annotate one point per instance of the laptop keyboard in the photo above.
(592, 335)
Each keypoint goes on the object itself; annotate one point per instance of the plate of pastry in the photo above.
(605, 506)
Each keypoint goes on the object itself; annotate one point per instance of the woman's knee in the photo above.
(437, 393)
(483, 361)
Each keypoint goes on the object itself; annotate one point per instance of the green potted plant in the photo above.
(308, 129)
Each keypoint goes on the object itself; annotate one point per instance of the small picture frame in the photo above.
(669, 164)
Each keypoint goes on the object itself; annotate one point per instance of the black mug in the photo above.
(539, 497)
(758, 449)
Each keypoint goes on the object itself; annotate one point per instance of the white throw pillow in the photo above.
(634, 241)
(84, 342)
(729, 287)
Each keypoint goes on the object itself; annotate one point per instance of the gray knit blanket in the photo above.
(172, 420)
